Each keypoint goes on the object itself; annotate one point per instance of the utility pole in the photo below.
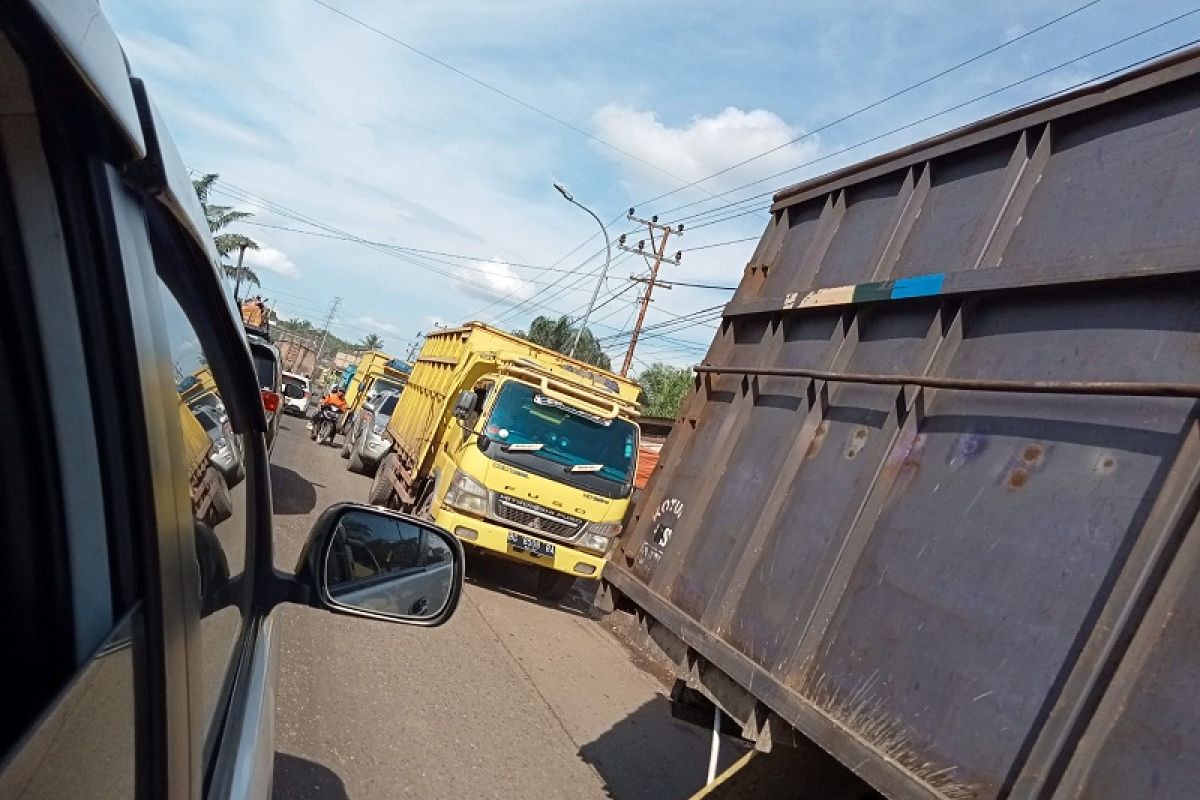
(659, 250)
(333, 309)
(414, 347)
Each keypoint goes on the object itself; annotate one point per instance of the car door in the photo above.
(128, 568)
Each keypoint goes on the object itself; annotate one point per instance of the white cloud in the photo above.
(377, 325)
(704, 146)
(490, 280)
(272, 260)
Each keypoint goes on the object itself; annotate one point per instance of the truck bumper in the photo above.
(494, 538)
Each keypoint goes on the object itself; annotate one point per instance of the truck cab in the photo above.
(521, 452)
(538, 479)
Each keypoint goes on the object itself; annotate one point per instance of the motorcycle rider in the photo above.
(336, 398)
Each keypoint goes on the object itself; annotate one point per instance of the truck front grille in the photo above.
(537, 518)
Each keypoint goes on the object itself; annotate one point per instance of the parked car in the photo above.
(141, 623)
(226, 454)
(270, 384)
(365, 443)
(296, 394)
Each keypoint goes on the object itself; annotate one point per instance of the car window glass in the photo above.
(264, 366)
(216, 471)
(388, 404)
(293, 390)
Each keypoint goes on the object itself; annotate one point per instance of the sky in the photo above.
(404, 160)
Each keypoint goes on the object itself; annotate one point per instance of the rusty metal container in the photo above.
(932, 504)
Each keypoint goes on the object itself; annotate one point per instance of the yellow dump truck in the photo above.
(375, 372)
(520, 451)
(211, 502)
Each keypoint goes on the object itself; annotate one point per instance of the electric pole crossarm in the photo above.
(663, 284)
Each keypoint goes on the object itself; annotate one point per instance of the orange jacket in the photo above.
(335, 400)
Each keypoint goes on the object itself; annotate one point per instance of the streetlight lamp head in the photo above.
(563, 191)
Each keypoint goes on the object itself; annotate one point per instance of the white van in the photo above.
(296, 393)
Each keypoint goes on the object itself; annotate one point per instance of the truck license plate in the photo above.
(530, 545)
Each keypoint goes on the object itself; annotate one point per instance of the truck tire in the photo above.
(345, 453)
(354, 453)
(220, 507)
(381, 493)
(552, 584)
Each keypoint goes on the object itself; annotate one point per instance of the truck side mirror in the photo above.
(464, 406)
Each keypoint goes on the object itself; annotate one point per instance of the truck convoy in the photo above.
(521, 452)
(931, 507)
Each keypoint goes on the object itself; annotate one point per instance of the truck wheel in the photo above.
(346, 450)
(381, 488)
(220, 507)
(552, 584)
(355, 464)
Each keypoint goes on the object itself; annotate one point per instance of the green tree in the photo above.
(559, 335)
(219, 218)
(664, 387)
(371, 342)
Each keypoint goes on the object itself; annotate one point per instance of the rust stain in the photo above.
(1033, 453)
(904, 462)
(818, 439)
(1017, 478)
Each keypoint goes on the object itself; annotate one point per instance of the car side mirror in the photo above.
(367, 561)
(465, 404)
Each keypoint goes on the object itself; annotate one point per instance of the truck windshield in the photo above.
(384, 385)
(579, 442)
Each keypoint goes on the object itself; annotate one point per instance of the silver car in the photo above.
(366, 441)
(226, 454)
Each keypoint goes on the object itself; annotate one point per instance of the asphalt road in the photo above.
(512, 698)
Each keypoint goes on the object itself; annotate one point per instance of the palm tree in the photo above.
(371, 342)
(220, 217)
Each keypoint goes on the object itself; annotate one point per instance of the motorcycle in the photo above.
(325, 425)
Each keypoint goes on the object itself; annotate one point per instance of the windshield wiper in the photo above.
(586, 468)
(527, 447)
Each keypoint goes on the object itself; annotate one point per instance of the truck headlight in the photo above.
(598, 536)
(466, 494)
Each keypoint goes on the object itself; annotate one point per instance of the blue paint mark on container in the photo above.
(918, 286)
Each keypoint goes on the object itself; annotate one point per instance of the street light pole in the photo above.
(604, 272)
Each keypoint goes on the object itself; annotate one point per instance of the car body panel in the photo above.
(89, 43)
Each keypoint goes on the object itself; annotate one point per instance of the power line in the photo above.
(361, 240)
(282, 210)
(720, 244)
(681, 322)
(859, 111)
(943, 112)
(493, 88)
